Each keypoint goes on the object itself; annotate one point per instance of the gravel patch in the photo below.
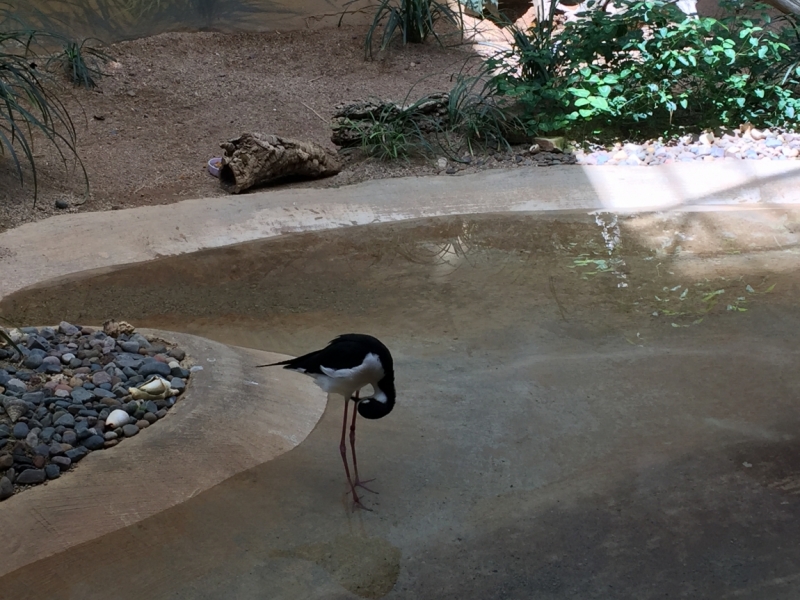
(739, 144)
(76, 390)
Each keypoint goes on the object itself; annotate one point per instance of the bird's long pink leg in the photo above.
(343, 450)
(358, 482)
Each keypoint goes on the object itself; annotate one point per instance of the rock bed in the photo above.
(54, 404)
(750, 144)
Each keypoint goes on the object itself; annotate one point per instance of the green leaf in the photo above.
(579, 92)
(708, 297)
(599, 103)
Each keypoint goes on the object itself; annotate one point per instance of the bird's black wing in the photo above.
(345, 352)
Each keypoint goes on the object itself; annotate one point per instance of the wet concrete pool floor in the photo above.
(588, 407)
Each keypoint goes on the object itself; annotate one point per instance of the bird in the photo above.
(347, 364)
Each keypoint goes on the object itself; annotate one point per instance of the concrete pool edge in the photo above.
(232, 418)
(67, 244)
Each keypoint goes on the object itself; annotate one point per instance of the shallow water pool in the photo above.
(589, 406)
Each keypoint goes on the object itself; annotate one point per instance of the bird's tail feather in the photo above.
(276, 364)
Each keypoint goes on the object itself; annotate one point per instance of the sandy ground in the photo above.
(146, 133)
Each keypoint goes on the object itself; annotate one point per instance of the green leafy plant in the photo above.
(414, 20)
(650, 70)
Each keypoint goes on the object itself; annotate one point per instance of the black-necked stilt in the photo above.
(347, 364)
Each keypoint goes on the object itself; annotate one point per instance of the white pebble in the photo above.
(707, 138)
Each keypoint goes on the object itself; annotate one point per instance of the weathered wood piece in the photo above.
(256, 159)
(352, 123)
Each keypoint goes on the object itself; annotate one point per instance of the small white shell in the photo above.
(117, 418)
(155, 388)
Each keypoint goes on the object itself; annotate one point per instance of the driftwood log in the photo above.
(352, 123)
(255, 159)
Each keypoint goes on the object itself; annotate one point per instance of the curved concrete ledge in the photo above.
(69, 244)
(231, 418)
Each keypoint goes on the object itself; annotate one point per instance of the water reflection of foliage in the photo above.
(115, 20)
(526, 237)
(452, 243)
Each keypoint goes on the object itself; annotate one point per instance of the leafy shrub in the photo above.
(650, 69)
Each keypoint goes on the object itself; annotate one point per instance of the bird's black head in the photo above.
(380, 403)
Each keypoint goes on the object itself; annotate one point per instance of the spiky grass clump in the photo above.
(28, 105)
(81, 62)
(414, 20)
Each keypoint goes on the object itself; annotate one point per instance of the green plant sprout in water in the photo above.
(682, 301)
(597, 265)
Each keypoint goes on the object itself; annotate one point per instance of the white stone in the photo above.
(732, 150)
(707, 138)
(117, 418)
